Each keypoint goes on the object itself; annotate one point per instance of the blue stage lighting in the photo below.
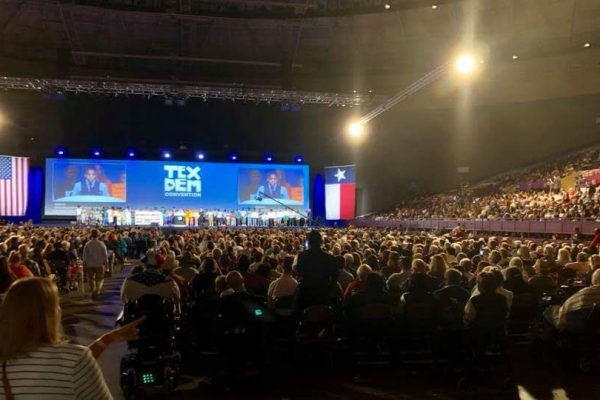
(268, 157)
(60, 152)
(299, 159)
(200, 155)
(166, 154)
(96, 153)
(130, 153)
(233, 157)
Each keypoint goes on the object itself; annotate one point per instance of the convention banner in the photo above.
(137, 185)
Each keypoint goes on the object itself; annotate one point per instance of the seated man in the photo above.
(285, 285)
(452, 291)
(150, 281)
(239, 305)
(396, 280)
(566, 317)
(488, 308)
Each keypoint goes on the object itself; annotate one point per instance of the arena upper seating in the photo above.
(564, 189)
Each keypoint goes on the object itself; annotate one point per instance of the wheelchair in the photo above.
(60, 270)
(153, 362)
(578, 344)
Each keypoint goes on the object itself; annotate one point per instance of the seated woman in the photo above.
(36, 360)
(515, 282)
(358, 284)
(373, 293)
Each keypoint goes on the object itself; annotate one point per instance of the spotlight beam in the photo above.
(414, 87)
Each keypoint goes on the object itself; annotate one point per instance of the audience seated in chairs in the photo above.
(543, 281)
(569, 316)
(419, 267)
(485, 319)
(497, 274)
(285, 286)
(397, 279)
(581, 266)
(373, 293)
(358, 284)
(452, 293)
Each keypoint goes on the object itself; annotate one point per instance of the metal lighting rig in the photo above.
(184, 91)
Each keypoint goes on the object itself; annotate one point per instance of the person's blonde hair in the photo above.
(563, 256)
(438, 265)
(594, 261)
(30, 316)
(362, 271)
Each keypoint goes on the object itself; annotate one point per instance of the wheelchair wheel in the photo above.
(586, 364)
(128, 383)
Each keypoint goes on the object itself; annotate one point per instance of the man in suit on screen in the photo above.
(90, 185)
(273, 188)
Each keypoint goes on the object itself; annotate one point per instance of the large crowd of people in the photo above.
(561, 190)
(465, 283)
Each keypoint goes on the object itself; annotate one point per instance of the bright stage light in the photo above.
(166, 155)
(465, 64)
(96, 152)
(60, 152)
(299, 159)
(356, 129)
(200, 155)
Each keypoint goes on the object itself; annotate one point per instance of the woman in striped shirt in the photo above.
(36, 362)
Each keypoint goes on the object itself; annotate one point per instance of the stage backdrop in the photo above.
(174, 184)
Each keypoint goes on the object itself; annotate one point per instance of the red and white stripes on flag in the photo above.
(14, 173)
(340, 188)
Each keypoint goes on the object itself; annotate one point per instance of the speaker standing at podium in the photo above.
(273, 188)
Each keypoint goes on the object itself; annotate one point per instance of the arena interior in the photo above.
(299, 199)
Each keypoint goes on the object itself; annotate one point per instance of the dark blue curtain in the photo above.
(319, 197)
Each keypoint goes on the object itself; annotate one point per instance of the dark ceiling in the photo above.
(200, 41)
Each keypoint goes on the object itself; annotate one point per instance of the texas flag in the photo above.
(340, 189)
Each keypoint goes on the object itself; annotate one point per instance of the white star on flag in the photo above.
(340, 174)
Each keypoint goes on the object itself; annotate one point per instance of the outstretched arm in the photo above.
(122, 334)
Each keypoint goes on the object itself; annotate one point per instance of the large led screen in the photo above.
(171, 184)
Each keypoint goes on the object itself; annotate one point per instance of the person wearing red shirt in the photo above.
(596, 239)
(14, 263)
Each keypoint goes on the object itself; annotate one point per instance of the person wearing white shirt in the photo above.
(283, 286)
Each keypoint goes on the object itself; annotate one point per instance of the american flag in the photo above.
(13, 185)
